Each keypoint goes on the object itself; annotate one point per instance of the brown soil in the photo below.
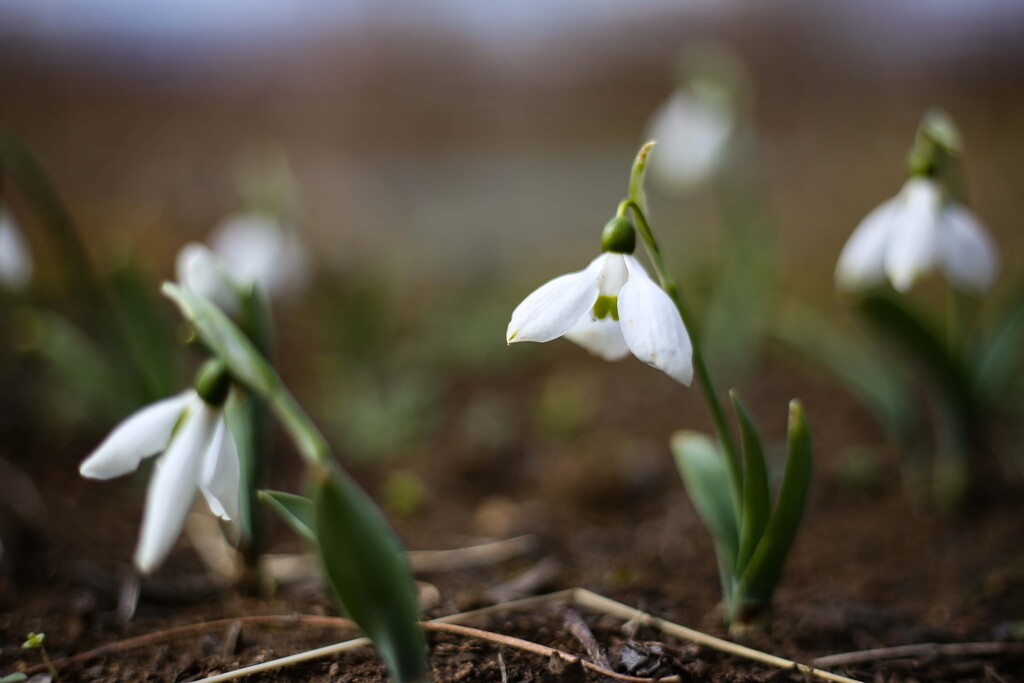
(603, 497)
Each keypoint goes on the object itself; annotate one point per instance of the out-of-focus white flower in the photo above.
(202, 271)
(15, 259)
(257, 248)
(693, 134)
(198, 452)
(918, 230)
(611, 308)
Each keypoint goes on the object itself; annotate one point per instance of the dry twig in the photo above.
(920, 650)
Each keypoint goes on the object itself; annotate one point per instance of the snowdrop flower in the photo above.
(247, 249)
(693, 135)
(918, 230)
(15, 258)
(257, 248)
(611, 308)
(198, 452)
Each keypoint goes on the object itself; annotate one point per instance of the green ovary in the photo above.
(605, 306)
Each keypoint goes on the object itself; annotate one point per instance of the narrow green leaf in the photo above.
(861, 366)
(756, 494)
(14, 678)
(706, 479)
(246, 363)
(147, 330)
(1000, 359)
(296, 511)
(765, 567)
(365, 565)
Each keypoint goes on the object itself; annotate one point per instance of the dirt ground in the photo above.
(599, 495)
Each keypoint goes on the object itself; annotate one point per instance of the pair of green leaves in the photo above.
(752, 538)
(362, 559)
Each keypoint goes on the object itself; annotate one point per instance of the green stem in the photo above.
(722, 431)
(311, 443)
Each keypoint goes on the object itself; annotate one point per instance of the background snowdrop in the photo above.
(919, 230)
(256, 248)
(15, 258)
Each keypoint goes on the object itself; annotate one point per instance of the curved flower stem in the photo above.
(668, 284)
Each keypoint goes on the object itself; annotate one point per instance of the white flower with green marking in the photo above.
(15, 259)
(198, 452)
(611, 308)
(915, 232)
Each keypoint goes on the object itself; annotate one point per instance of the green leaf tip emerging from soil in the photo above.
(764, 570)
(365, 565)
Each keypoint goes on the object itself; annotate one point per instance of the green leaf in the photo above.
(365, 565)
(765, 567)
(244, 360)
(14, 678)
(756, 494)
(296, 511)
(1000, 359)
(147, 330)
(706, 479)
(861, 366)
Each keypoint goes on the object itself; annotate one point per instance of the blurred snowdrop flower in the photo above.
(611, 308)
(693, 134)
(257, 248)
(15, 259)
(198, 453)
(919, 230)
(248, 249)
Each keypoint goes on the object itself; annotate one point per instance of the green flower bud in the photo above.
(618, 236)
(213, 382)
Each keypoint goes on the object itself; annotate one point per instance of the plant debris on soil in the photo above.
(869, 570)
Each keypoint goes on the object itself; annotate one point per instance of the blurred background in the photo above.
(464, 141)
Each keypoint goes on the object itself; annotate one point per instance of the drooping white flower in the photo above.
(918, 230)
(202, 271)
(693, 135)
(198, 452)
(257, 248)
(15, 259)
(611, 308)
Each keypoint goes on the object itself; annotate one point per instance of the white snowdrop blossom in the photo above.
(202, 271)
(198, 452)
(693, 135)
(257, 248)
(15, 259)
(917, 231)
(611, 308)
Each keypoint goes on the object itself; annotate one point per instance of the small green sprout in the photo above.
(34, 641)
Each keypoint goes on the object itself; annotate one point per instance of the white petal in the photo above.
(553, 309)
(140, 435)
(200, 270)
(862, 261)
(652, 327)
(968, 255)
(601, 337)
(173, 486)
(692, 139)
(612, 276)
(257, 249)
(913, 237)
(221, 473)
(15, 259)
